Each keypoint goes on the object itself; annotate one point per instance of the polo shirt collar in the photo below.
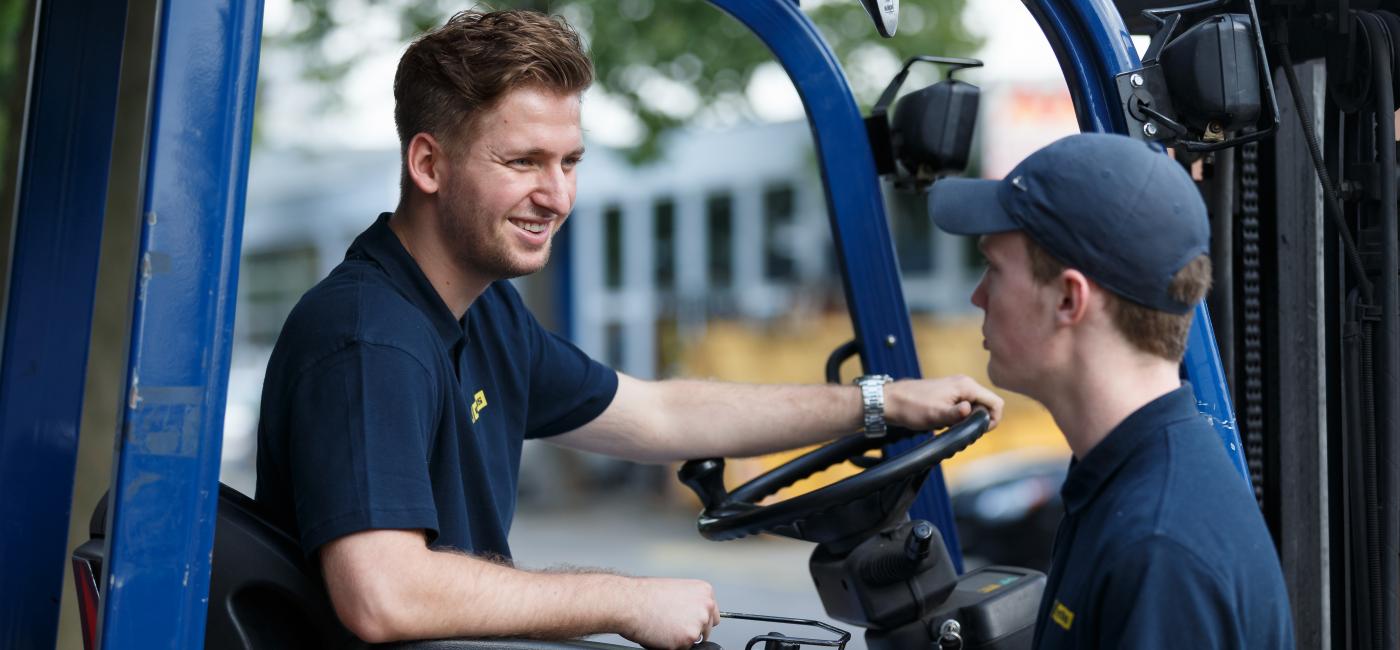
(1087, 476)
(381, 245)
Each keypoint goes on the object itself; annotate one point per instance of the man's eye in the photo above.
(572, 162)
(521, 162)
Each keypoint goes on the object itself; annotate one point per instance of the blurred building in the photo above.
(728, 225)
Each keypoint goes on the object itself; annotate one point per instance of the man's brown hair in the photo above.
(1155, 332)
(450, 75)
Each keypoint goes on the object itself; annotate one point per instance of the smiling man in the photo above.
(403, 385)
(1096, 256)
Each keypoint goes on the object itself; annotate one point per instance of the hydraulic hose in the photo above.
(1222, 244)
(1380, 502)
(1332, 204)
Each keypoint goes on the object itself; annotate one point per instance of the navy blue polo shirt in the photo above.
(1162, 544)
(382, 410)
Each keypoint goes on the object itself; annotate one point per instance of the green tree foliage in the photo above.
(16, 20)
(636, 44)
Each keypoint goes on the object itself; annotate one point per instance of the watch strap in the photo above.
(872, 400)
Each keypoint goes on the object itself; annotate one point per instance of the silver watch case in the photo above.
(872, 399)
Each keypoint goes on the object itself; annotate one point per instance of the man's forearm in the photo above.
(706, 418)
(387, 585)
(679, 419)
(432, 594)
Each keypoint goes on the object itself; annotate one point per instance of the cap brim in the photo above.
(968, 206)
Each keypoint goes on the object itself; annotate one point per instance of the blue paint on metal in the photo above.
(1203, 369)
(62, 194)
(859, 227)
(1111, 42)
(165, 487)
(1094, 47)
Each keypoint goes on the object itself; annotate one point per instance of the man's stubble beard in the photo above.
(480, 247)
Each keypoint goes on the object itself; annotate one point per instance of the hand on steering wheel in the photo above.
(843, 511)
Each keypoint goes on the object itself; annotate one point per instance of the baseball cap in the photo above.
(1127, 216)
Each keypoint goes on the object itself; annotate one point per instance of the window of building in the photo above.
(269, 284)
(779, 212)
(664, 226)
(719, 219)
(973, 260)
(913, 232)
(615, 346)
(612, 247)
(669, 347)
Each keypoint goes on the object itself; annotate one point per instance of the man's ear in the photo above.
(1073, 299)
(424, 163)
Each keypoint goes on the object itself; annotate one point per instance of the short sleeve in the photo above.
(567, 387)
(362, 424)
(1159, 594)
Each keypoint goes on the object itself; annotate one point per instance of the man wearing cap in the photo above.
(1096, 255)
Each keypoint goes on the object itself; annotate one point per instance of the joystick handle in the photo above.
(705, 477)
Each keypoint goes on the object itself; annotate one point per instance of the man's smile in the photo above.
(531, 226)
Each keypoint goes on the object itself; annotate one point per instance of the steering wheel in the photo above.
(838, 515)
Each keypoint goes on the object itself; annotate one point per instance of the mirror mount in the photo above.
(885, 13)
(931, 131)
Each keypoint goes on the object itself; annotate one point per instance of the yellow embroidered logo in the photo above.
(1062, 616)
(478, 403)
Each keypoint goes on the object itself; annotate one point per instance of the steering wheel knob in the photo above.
(705, 477)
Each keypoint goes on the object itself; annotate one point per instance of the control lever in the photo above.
(705, 476)
(916, 547)
(888, 564)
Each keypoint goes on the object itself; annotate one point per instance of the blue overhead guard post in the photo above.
(67, 148)
(1094, 47)
(864, 250)
(165, 485)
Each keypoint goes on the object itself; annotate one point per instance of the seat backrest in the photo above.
(262, 592)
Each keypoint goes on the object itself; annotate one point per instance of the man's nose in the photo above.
(555, 192)
(979, 295)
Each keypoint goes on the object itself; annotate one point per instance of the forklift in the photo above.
(1284, 109)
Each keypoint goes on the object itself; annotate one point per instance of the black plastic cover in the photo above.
(995, 607)
(1212, 72)
(932, 128)
(853, 590)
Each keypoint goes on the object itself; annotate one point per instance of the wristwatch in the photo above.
(872, 400)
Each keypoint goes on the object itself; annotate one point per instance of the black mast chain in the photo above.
(1252, 405)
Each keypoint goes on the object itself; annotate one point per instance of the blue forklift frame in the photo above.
(165, 482)
(69, 122)
(165, 486)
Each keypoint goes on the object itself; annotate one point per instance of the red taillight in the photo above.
(87, 600)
